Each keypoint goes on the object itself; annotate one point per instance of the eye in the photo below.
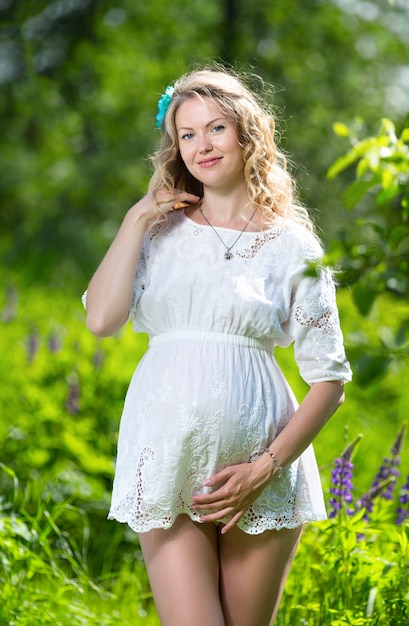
(218, 128)
(187, 136)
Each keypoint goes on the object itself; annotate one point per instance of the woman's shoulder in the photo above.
(165, 225)
(301, 241)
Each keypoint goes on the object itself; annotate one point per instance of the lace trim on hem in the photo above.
(253, 529)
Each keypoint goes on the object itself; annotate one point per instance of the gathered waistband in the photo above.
(204, 335)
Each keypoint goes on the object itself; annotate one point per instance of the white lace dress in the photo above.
(208, 392)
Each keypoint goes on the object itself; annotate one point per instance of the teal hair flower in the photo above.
(164, 102)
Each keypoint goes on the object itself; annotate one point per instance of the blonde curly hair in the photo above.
(271, 188)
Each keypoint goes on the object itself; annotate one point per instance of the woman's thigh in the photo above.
(253, 570)
(183, 568)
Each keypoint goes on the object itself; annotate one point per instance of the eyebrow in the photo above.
(217, 119)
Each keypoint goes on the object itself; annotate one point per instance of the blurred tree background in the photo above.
(79, 84)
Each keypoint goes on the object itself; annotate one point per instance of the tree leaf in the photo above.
(364, 297)
(340, 165)
(341, 129)
(355, 192)
(387, 195)
(369, 367)
(405, 135)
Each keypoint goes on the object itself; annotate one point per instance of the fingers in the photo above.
(231, 522)
(227, 500)
(167, 200)
(216, 503)
(220, 478)
(221, 494)
(217, 515)
(235, 489)
(220, 515)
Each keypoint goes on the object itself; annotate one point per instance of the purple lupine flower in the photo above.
(98, 359)
(72, 403)
(33, 343)
(403, 508)
(389, 468)
(368, 499)
(341, 481)
(385, 479)
(54, 343)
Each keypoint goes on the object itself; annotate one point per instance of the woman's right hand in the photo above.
(161, 201)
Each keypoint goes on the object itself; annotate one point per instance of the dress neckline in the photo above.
(281, 221)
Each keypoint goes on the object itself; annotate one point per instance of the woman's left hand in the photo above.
(235, 488)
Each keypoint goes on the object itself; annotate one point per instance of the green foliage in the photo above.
(374, 253)
(346, 572)
(345, 560)
(43, 573)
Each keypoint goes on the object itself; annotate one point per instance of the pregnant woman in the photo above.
(215, 467)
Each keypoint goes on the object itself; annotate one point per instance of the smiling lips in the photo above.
(210, 162)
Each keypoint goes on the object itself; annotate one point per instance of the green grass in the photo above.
(346, 572)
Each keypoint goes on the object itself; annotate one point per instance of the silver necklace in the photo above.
(228, 249)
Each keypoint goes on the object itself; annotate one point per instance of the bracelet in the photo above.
(275, 461)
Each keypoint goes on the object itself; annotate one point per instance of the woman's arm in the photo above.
(238, 486)
(320, 403)
(110, 292)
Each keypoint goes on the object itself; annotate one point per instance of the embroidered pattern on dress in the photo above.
(197, 230)
(153, 231)
(259, 241)
(133, 503)
(326, 321)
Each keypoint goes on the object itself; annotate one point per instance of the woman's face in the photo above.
(209, 144)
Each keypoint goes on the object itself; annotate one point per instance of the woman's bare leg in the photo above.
(183, 568)
(253, 570)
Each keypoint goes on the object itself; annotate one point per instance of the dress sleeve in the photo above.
(313, 322)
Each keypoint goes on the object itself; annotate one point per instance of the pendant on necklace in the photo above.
(228, 254)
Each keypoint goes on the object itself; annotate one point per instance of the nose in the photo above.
(205, 145)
